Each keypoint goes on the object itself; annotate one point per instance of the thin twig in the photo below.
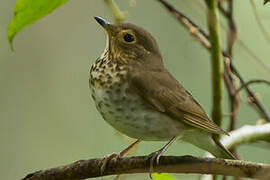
(199, 34)
(119, 15)
(171, 164)
(256, 101)
(234, 98)
(232, 34)
(228, 76)
(252, 82)
(203, 39)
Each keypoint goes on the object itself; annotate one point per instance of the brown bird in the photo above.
(136, 94)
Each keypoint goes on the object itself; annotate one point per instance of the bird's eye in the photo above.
(128, 38)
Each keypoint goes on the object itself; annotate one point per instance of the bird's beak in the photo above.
(105, 24)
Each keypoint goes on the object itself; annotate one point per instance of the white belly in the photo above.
(127, 113)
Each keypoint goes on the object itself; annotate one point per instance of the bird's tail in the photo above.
(222, 152)
(206, 141)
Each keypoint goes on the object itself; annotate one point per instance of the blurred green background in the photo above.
(46, 113)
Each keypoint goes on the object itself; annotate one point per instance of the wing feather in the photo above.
(167, 95)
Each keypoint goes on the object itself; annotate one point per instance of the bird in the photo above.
(139, 97)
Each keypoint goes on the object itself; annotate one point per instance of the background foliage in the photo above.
(47, 116)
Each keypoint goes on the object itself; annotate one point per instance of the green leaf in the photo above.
(27, 12)
(163, 176)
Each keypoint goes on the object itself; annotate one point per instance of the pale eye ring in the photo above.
(129, 38)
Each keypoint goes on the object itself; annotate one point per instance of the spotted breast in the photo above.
(122, 108)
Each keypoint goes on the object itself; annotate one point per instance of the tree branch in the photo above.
(171, 164)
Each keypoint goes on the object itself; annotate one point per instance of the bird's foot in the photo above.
(155, 156)
(116, 156)
(108, 158)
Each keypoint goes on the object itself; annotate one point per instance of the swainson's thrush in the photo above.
(136, 95)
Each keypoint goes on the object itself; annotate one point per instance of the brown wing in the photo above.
(166, 94)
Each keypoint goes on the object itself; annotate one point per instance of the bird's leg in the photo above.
(109, 157)
(156, 155)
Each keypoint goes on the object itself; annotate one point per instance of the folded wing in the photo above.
(167, 95)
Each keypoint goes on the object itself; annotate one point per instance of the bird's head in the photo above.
(130, 44)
